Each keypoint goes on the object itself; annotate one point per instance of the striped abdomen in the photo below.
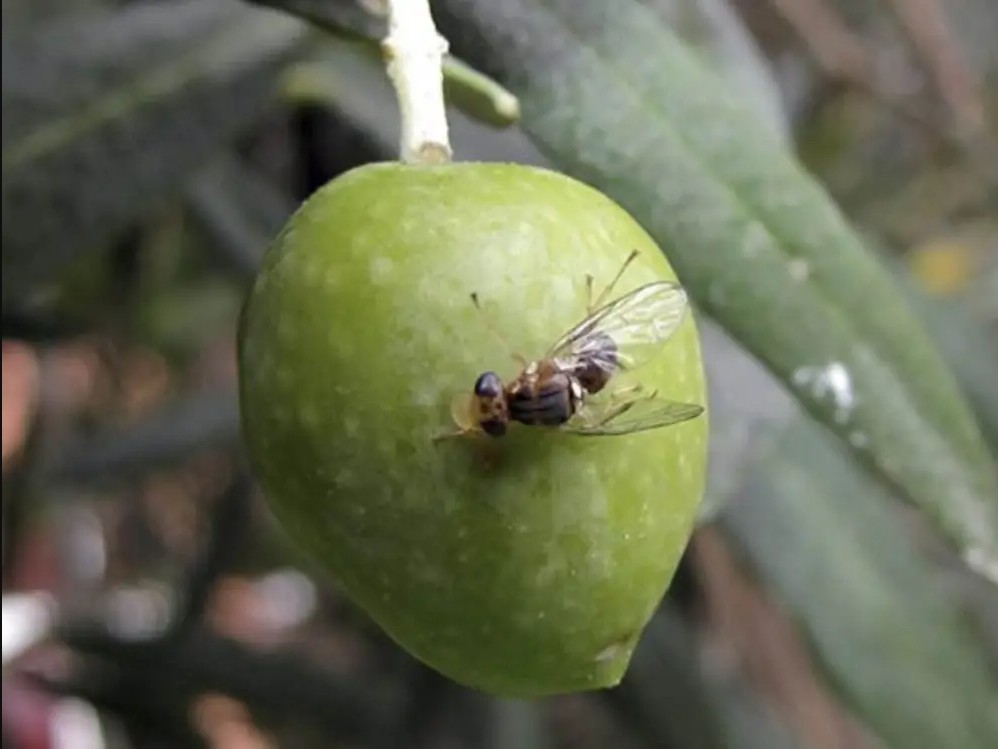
(548, 401)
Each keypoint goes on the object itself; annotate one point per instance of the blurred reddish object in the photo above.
(27, 711)
(227, 724)
(20, 397)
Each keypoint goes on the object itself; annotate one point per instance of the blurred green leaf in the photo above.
(518, 724)
(345, 18)
(16, 14)
(180, 319)
(240, 211)
(748, 409)
(663, 697)
(968, 348)
(474, 93)
(105, 114)
(321, 82)
(714, 29)
(614, 98)
(348, 83)
(185, 426)
(826, 541)
(671, 699)
(477, 95)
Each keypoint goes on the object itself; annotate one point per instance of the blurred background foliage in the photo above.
(151, 149)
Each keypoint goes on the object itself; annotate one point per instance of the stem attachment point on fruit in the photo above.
(414, 54)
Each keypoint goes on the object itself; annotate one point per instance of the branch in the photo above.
(839, 51)
(230, 515)
(414, 52)
(844, 57)
(940, 56)
(144, 677)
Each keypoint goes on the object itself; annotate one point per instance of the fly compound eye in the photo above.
(488, 385)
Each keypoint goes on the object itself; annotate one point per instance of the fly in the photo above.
(558, 389)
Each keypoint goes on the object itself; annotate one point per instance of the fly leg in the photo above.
(594, 304)
(464, 421)
(626, 398)
(454, 434)
(612, 414)
(631, 392)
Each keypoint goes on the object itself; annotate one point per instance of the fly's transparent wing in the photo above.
(638, 413)
(626, 332)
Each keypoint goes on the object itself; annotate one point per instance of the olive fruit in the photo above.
(522, 565)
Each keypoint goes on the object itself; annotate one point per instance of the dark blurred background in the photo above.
(152, 149)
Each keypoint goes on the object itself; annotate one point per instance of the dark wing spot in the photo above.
(597, 363)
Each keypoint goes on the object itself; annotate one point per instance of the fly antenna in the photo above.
(490, 324)
(595, 304)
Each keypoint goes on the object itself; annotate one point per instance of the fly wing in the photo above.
(626, 332)
(638, 414)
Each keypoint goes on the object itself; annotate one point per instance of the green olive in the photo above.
(521, 565)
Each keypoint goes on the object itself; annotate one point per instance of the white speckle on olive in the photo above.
(309, 418)
(287, 331)
(800, 269)
(381, 269)
(609, 652)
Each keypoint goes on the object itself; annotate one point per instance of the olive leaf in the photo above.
(349, 83)
(473, 93)
(670, 699)
(829, 546)
(349, 19)
(714, 29)
(106, 113)
(190, 424)
(239, 211)
(969, 349)
(477, 95)
(614, 98)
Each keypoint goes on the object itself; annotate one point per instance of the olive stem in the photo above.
(414, 53)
